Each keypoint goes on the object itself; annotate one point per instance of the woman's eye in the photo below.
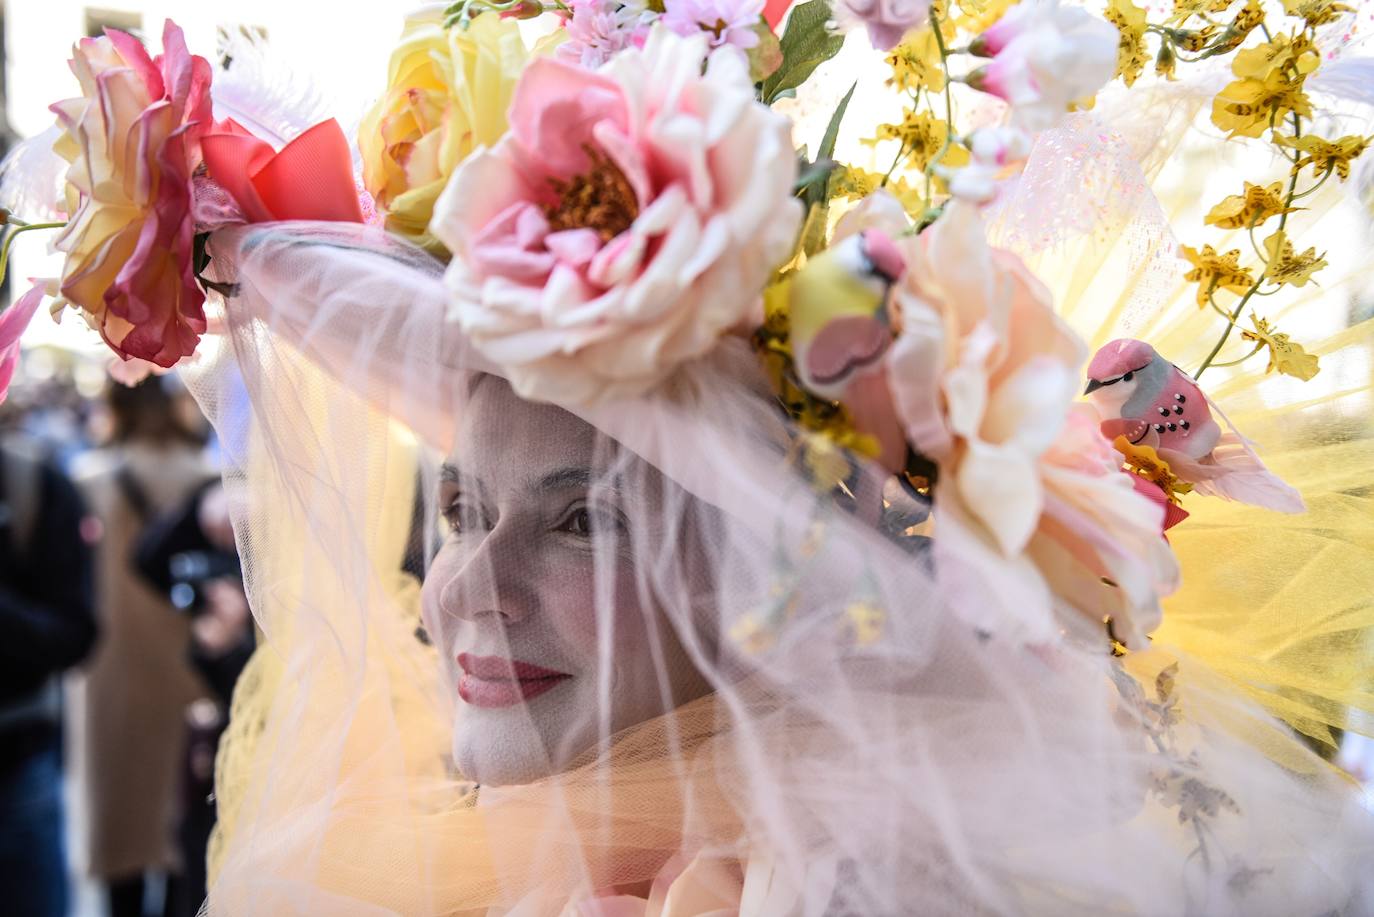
(463, 517)
(585, 522)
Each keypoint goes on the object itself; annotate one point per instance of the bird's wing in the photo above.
(1233, 471)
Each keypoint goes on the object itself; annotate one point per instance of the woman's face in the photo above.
(546, 633)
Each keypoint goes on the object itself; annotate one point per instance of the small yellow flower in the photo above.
(826, 462)
(866, 617)
(1142, 460)
(1285, 266)
(1257, 204)
(1316, 12)
(1212, 271)
(1193, 40)
(1131, 54)
(1325, 155)
(977, 16)
(1292, 56)
(854, 184)
(916, 64)
(1246, 21)
(923, 136)
(751, 634)
(1166, 61)
(1247, 107)
(1287, 357)
(1186, 9)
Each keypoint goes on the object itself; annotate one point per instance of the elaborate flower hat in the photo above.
(921, 395)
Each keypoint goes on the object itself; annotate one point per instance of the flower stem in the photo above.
(1321, 181)
(1244, 300)
(949, 103)
(20, 227)
(1258, 348)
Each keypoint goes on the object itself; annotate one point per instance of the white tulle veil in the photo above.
(857, 748)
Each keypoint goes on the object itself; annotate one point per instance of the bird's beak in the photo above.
(1093, 385)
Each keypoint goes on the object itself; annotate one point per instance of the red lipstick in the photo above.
(491, 681)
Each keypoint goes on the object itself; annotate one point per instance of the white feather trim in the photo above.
(260, 91)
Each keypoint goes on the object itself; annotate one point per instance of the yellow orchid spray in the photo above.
(1266, 98)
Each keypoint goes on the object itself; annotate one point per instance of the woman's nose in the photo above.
(493, 583)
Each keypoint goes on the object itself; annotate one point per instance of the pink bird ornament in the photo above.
(1150, 401)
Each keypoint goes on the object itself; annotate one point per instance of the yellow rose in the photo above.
(447, 94)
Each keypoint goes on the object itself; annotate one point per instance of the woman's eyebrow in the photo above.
(570, 478)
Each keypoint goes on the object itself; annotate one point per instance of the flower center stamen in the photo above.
(600, 199)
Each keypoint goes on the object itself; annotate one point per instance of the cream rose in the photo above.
(447, 94)
(1032, 510)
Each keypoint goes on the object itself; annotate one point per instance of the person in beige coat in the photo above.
(129, 703)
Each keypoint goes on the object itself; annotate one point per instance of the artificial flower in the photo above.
(1325, 155)
(1166, 61)
(133, 139)
(1033, 511)
(923, 136)
(997, 153)
(1285, 265)
(310, 178)
(1247, 107)
(447, 94)
(1316, 12)
(1212, 271)
(976, 16)
(1288, 357)
(1251, 208)
(853, 184)
(629, 218)
(1294, 57)
(1045, 56)
(916, 63)
(724, 22)
(13, 322)
(887, 21)
(596, 30)
(1131, 56)
(1246, 21)
(1185, 9)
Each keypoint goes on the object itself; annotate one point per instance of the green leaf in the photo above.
(816, 192)
(832, 130)
(806, 44)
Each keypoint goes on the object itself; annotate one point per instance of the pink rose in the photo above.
(133, 139)
(1032, 510)
(887, 20)
(630, 218)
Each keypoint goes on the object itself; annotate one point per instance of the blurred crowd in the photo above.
(123, 627)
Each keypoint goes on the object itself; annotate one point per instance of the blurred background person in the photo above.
(130, 701)
(189, 555)
(47, 624)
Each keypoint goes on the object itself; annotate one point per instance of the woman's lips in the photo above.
(491, 681)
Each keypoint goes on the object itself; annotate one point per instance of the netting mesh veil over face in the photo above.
(659, 668)
(651, 511)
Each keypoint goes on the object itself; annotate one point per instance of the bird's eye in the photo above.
(1127, 377)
